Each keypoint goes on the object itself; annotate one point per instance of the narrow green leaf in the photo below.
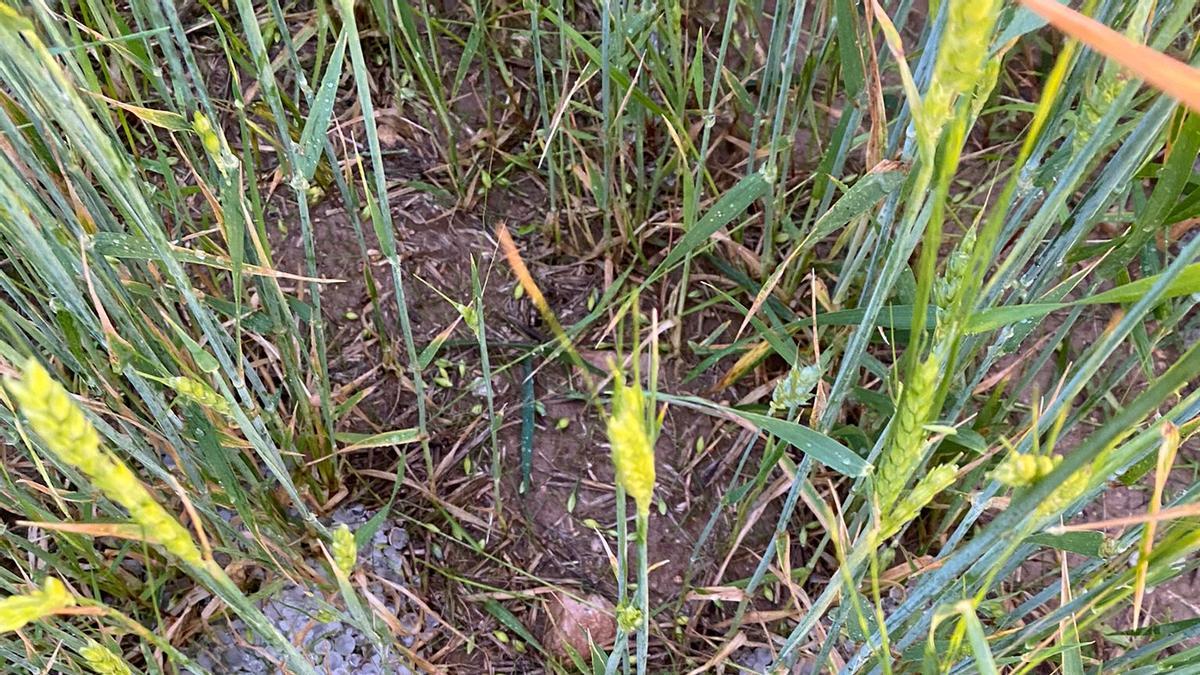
(204, 361)
(312, 138)
(364, 534)
(997, 317)
(1160, 629)
(511, 622)
(346, 406)
(731, 205)
(860, 198)
(1172, 178)
(897, 317)
(468, 55)
(1090, 544)
(163, 119)
(821, 447)
(985, 663)
(216, 458)
(1186, 283)
(853, 71)
(381, 440)
(619, 77)
(430, 352)
(528, 408)
(1072, 655)
(121, 245)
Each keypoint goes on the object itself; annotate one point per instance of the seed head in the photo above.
(1024, 469)
(199, 392)
(214, 143)
(100, 659)
(67, 433)
(208, 136)
(795, 388)
(1097, 100)
(966, 39)
(987, 81)
(950, 285)
(1067, 492)
(933, 483)
(903, 451)
(629, 617)
(632, 443)
(18, 610)
(345, 551)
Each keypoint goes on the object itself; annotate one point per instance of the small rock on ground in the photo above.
(573, 623)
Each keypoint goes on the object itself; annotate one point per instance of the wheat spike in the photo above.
(1024, 469)
(201, 393)
(344, 550)
(903, 451)
(960, 63)
(18, 610)
(1067, 492)
(101, 660)
(68, 434)
(795, 389)
(933, 483)
(632, 443)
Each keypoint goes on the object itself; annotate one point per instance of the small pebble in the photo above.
(233, 657)
(398, 538)
(344, 643)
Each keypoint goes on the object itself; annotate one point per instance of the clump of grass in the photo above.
(71, 437)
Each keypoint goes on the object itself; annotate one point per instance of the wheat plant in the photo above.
(880, 308)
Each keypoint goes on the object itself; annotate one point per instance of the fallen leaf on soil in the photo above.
(573, 621)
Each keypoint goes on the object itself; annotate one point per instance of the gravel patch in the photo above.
(333, 645)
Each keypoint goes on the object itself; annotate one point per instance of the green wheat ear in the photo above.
(102, 660)
(933, 483)
(67, 433)
(344, 549)
(199, 392)
(903, 452)
(632, 443)
(960, 64)
(18, 610)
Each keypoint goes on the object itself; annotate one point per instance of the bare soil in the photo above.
(555, 535)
